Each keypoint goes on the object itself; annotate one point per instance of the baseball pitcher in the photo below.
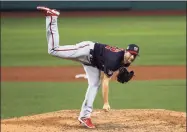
(95, 58)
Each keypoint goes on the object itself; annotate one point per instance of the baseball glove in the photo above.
(124, 76)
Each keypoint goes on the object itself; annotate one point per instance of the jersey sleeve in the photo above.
(108, 72)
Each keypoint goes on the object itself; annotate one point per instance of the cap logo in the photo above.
(135, 48)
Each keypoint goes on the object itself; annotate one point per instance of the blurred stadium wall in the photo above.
(94, 5)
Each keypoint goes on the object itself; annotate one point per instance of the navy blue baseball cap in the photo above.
(133, 49)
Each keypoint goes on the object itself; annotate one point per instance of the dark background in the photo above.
(94, 5)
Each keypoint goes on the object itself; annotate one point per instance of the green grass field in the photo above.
(20, 99)
(162, 41)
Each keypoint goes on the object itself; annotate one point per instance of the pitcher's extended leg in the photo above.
(52, 35)
(93, 75)
(78, 52)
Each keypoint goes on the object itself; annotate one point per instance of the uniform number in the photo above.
(114, 49)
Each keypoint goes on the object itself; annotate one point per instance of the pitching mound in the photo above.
(113, 121)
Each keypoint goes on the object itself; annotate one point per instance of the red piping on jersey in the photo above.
(72, 49)
(52, 34)
(63, 49)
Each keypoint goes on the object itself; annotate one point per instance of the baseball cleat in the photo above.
(48, 11)
(86, 122)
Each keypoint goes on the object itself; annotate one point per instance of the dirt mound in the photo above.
(113, 121)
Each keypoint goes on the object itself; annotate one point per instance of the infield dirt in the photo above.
(67, 74)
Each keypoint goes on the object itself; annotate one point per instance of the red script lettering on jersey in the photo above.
(113, 48)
